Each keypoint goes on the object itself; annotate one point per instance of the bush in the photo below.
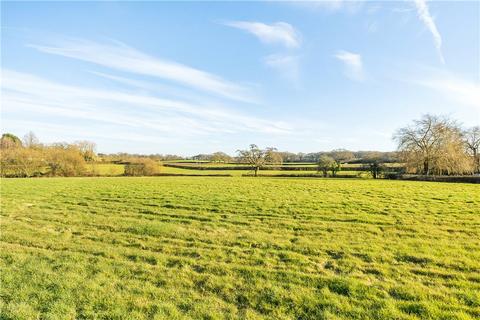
(65, 160)
(9, 140)
(21, 162)
(392, 175)
(141, 167)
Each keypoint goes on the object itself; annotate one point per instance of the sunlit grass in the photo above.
(110, 169)
(215, 248)
(106, 169)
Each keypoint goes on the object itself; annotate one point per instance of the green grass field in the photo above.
(108, 169)
(238, 173)
(248, 248)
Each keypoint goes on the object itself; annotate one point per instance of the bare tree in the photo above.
(419, 142)
(87, 149)
(454, 159)
(256, 157)
(30, 140)
(471, 137)
(432, 145)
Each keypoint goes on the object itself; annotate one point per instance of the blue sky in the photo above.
(191, 77)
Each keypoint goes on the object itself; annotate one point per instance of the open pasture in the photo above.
(111, 169)
(227, 248)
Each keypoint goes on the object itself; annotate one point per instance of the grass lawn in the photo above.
(249, 248)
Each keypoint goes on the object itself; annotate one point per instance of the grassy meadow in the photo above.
(229, 248)
(111, 169)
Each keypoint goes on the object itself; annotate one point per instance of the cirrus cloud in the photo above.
(353, 64)
(427, 19)
(276, 33)
(119, 56)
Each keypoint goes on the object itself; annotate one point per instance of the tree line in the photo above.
(432, 145)
(436, 145)
(342, 155)
(28, 157)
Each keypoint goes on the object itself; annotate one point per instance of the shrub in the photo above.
(65, 160)
(21, 162)
(141, 167)
(9, 140)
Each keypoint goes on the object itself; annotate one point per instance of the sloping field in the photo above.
(226, 248)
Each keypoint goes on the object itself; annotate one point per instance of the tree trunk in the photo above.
(476, 161)
(425, 167)
(256, 171)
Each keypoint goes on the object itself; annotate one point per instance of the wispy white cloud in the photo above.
(276, 33)
(125, 111)
(452, 87)
(353, 64)
(349, 6)
(427, 19)
(286, 65)
(119, 56)
(145, 87)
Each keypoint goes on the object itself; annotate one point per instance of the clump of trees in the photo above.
(341, 155)
(64, 160)
(29, 158)
(16, 161)
(437, 145)
(279, 157)
(218, 156)
(327, 163)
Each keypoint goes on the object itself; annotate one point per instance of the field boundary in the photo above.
(451, 179)
(301, 176)
(191, 175)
